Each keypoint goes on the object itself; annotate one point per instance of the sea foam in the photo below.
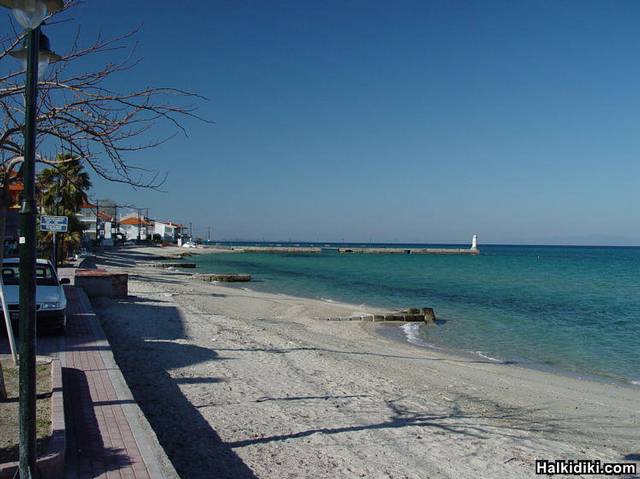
(412, 333)
(484, 356)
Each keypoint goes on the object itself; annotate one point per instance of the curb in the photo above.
(51, 465)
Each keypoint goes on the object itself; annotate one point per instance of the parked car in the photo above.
(51, 302)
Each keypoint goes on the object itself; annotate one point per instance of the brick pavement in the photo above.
(103, 439)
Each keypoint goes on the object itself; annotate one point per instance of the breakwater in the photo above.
(469, 251)
(223, 277)
(276, 249)
(425, 315)
(345, 250)
(170, 265)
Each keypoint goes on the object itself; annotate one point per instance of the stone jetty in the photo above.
(225, 277)
(173, 265)
(426, 315)
(276, 249)
(373, 250)
(463, 251)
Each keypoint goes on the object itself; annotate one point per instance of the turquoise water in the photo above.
(573, 308)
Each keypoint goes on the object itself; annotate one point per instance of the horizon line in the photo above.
(480, 245)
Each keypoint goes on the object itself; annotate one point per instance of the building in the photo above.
(12, 215)
(134, 226)
(167, 230)
(97, 224)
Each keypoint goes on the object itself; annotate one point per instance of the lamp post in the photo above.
(34, 53)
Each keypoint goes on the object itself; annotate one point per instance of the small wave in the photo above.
(412, 333)
(327, 300)
(479, 353)
(635, 383)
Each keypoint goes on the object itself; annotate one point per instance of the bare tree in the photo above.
(80, 114)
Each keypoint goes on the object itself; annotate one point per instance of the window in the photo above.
(44, 275)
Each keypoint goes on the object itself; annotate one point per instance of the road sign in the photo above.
(57, 224)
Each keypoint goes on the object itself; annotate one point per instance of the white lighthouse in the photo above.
(474, 242)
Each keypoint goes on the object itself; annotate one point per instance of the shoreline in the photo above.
(392, 332)
(386, 330)
(339, 399)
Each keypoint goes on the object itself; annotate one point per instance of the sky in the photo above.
(404, 121)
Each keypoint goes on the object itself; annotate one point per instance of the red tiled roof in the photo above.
(104, 216)
(132, 220)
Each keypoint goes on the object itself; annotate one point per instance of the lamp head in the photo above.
(30, 13)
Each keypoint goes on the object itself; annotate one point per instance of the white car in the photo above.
(51, 302)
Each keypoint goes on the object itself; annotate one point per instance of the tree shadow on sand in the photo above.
(151, 351)
(455, 421)
(360, 353)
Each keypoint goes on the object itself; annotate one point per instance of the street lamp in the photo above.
(45, 55)
(30, 14)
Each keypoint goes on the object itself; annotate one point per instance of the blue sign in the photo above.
(57, 224)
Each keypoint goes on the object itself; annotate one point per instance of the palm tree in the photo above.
(62, 190)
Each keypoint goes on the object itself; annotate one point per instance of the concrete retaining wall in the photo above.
(102, 283)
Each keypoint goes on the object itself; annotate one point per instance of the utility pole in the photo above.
(116, 222)
(115, 219)
(97, 221)
(54, 234)
(138, 209)
(191, 231)
(208, 234)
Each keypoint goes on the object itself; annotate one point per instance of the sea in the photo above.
(575, 309)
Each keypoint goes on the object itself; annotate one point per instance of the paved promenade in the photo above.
(107, 435)
(102, 437)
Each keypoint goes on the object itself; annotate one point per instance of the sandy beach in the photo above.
(238, 383)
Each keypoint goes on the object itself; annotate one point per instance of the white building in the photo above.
(134, 226)
(168, 230)
(89, 215)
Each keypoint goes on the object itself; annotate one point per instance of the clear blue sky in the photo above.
(410, 121)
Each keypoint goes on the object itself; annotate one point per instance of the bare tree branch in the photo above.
(80, 113)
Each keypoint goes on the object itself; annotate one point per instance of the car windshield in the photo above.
(44, 274)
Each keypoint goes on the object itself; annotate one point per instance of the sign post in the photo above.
(54, 224)
(54, 253)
